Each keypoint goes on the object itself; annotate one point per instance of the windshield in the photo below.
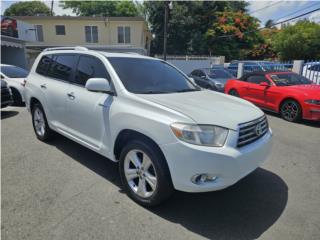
(289, 79)
(149, 76)
(14, 72)
(219, 73)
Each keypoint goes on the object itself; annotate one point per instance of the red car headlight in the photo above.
(313, 101)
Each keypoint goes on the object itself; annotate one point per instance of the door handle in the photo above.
(43, 86)
(71, 95)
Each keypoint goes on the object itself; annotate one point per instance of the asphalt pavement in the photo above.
(61, 190)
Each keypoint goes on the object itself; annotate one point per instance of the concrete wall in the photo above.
(188, 66)
(75, 32)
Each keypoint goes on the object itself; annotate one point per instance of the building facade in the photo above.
(112, 34)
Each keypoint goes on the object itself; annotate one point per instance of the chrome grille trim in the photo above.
(248, 131)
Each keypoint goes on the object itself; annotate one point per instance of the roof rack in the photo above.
(79, 48)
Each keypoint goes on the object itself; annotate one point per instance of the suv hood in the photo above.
(208, 107)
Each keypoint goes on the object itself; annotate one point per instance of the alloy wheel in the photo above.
(140, 173)
(39, 122)
(290, 110)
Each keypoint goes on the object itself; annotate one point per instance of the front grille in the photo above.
(253, 130)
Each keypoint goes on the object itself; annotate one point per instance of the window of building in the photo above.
(60, 30)
(91, 33)
(62, 67)
(39, 33)
(90, 67)
(124, 35)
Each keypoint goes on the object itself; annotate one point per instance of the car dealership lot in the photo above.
(62, 190)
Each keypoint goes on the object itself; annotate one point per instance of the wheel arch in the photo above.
(33, 101)
(286, 99)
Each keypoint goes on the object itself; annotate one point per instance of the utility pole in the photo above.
(51, 10)
(166, 10)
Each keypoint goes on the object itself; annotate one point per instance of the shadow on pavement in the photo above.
(7, 114)
(243, 211)
(309, 123)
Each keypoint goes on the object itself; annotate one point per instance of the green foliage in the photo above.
(102, 8)
(188, 24)
(27, 9)
(233, 34)
(299, 41)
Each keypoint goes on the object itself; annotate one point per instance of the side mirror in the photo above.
(264, 84)
(99, 85)
(203, 77)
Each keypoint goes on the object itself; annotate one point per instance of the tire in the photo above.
(40, 124)
(17, 99)
(234, 93)
(133, 174)
(290, 110)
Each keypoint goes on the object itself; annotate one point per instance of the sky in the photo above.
(263, 10)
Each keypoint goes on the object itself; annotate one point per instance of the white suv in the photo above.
(165, 132)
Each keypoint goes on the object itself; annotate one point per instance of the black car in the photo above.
(211, 78)
(6, 95)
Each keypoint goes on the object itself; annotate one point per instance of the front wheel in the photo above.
(144, 173)
(290, 111)
(40, 124)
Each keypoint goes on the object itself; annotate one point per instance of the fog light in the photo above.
(203, 178)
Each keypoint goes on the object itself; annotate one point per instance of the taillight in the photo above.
(24, 83)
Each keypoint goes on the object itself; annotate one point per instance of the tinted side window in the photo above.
(194, 73)
(44, 64)
(257, 79)
(62, 67)
(90, 67)
(201, 73)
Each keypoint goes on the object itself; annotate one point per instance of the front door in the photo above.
(255, 92)
(88, 112)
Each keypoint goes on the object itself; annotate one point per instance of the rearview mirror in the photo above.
(264, 84)
(99, 85)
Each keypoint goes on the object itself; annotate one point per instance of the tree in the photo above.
(27, 9)
(299, 41)
(233, 34)
(102, 8)
(188, 23)
(269, 24)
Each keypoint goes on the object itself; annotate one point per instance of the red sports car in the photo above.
(287, 93)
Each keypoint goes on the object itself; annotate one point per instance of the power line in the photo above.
(268, 6)
(300, 10)
(277, 23)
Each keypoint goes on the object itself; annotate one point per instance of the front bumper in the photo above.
(229, 164)
(311, 112)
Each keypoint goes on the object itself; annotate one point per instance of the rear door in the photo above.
(88, 112)
(55, 86)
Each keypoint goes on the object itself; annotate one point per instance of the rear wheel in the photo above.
(234, 93)
(290, 110)
(40, 124)
(144, 173)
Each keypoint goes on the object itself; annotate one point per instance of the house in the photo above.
(112, 34)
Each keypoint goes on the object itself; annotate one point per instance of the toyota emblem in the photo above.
(259, 129)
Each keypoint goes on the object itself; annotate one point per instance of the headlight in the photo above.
(313, 101)
(207, 135)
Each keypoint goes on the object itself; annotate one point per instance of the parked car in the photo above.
(257, 66)
(9, 26)
(211, 78)
(6, 97)
(287, 93)
(144, 113)
(15, 77)
(311, 71)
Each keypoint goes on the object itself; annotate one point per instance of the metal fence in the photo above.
(311, 70)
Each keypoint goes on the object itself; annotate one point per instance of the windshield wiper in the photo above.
(189, 90)
(150, 92)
